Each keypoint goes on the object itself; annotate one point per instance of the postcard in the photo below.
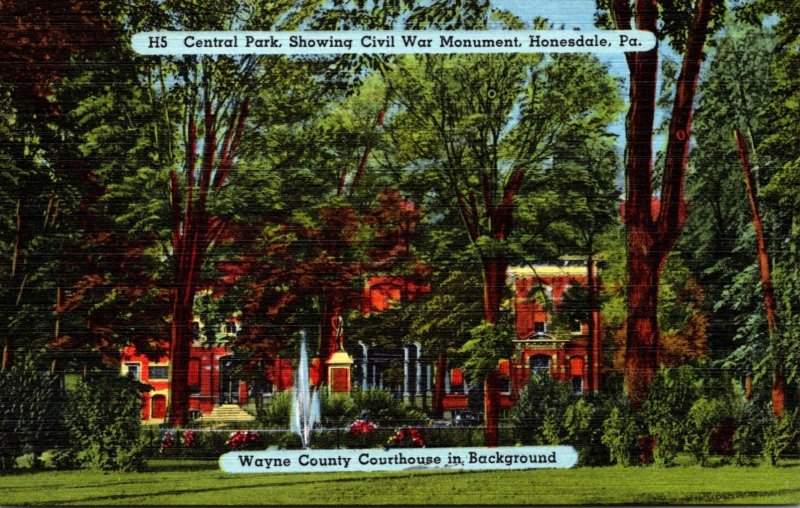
(389, 252)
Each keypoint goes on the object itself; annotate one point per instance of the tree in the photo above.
(482, 156)
(653, 225)
(39, 41)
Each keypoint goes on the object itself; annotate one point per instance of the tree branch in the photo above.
(672, 213)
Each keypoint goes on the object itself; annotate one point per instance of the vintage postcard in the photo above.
(393, 252)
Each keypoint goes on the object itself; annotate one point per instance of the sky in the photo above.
(569, 13)
(574, 14)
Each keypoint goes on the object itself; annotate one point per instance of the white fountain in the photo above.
(305, 400)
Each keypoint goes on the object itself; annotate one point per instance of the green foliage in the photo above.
(703, 418)
(620, 434)
(489, 344)
(671, 397)
(30, 412)
(337, 409)
(540, 406)
(277, 413)
(780, 435)
(104, 422)
(380, 407)
(581, 425)
(748, 441)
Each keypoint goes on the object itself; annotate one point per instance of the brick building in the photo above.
(537, 289)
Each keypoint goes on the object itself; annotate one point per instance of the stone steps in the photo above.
(228, 413)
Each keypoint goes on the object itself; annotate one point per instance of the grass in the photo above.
(201, 482)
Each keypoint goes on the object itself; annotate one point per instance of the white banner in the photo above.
(392, 42)
(398, 459)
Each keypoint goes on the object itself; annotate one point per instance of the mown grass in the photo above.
(198, 482)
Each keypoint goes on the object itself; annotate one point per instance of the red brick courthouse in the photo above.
(563, 352)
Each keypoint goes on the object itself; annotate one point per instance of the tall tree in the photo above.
(482, 154)
(654, 224)
(39, 41)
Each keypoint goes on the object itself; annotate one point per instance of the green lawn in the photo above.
(174, 482)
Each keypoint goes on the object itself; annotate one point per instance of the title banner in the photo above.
(322, 461)
(392, 42)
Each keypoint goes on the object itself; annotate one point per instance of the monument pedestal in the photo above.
(339, 366)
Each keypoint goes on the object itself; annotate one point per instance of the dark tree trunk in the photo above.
(641, 344)
(594, 350)
(438, 394)
(653, 230)
(778, 384)
(494, 279)
(194, 231)
(179, 360)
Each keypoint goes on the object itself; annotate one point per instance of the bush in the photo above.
(705, 416)
(748, 441)
(581, 427)
(30, 413)
(620, 435)
(780, 434)
(278, 412)
(103, 419)
(542, 400)
(337, 409)
(671, 397)
(380, 407)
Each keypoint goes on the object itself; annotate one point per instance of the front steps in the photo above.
(228, 413)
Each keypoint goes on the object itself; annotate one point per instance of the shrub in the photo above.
(748, 441)
(30, 413)
(671, 397)
(337, 409)
(278, 412)
(103, 419)
(620, 435)
(780, 434)
(380, 407)
(542, 400)
(704, 417)
(583, 429)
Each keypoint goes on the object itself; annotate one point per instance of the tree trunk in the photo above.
(494, 280)
(652, 234)
(491, 408)
(438, 394)
(179, 359)
(593, 351)
(641, 344)
(778, 385)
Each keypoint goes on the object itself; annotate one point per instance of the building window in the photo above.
(158, 372)
(230, 328)
(575, 326)
(133, 370)
(539, 327)
(505, 385)
(577, 385)
(540, 363)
